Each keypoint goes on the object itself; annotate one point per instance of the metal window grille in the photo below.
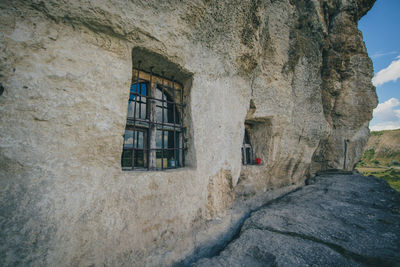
(247, 150)
(154, 133)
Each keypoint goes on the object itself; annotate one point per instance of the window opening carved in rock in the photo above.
(154, 133)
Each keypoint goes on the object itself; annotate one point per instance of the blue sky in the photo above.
(381, 31)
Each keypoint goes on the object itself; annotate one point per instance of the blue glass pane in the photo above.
(141, 108)
(134, 89)
(143, 89)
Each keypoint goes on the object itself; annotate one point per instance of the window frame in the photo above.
(171, 101)
(247, 148)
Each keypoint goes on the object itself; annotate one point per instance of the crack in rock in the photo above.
(363, 259)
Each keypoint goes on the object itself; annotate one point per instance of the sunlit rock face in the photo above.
(296, 72)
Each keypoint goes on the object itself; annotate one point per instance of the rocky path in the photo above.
(337, 220)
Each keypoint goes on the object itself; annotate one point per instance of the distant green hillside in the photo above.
(381, 157)
(383, 148)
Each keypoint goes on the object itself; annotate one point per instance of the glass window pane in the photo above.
(128, 139)
(172, 161)
(171, 143)
(140, 139)
(133, 90)
(248, 155)
(177, 116)
(159, 113)
(126, 159)
(140, 159)
(141, 101)
(163, 105)
(143, 89)
(170, 112)
(159, 139)
(143, 110)
(131, 106)
(161, 160)
(159, 94)
(246, 137)
(160, 110)
(177, 143)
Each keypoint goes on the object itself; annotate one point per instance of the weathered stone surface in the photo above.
(296, 71)
(337, 220)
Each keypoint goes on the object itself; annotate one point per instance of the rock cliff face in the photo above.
(296, 73)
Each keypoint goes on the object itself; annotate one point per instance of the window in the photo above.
(247, 150)
(154, 133)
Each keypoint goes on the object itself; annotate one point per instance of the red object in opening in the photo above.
(258, 161)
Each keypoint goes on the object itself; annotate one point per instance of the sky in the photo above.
(381, 32)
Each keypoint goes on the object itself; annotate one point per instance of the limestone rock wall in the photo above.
(346, 89)
(65, 72)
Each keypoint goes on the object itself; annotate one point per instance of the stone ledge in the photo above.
(347, 220)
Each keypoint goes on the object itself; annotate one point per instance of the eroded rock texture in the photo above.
(345, 220)
(296, 72)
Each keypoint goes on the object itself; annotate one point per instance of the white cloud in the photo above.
(385, 110)
(391, 73)
(381, 127)
(378, 55)
(386, 115)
